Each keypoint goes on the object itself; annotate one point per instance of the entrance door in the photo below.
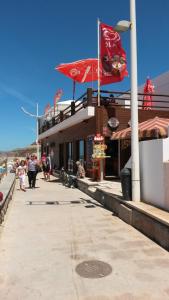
(111, 163)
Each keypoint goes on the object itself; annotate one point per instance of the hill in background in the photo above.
(19, 152)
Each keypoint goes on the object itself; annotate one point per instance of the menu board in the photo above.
(89, 151)
(99, 150)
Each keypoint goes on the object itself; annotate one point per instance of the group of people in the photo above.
(28, 166)
(31, 166)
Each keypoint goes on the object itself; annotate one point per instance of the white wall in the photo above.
(153, 171)
(166, 185)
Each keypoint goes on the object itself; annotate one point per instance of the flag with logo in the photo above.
(112, 56)
(57, 97)
(47, 109)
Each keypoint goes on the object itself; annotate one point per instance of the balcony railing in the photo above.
(108, 98)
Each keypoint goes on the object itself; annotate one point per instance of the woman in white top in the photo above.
(32, 170)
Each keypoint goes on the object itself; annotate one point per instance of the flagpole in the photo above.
(37, 131)
(98, 54)
(74, 89)
(98, 103)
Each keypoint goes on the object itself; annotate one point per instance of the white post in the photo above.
(98, 64)
(37, 131)
(101, 169)
(37, 126)
(134, 107)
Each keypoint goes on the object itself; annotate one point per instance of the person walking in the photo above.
(32, 171)
(21, 172)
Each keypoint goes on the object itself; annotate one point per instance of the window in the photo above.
(70, 157)
(81, 151)
(61, 155)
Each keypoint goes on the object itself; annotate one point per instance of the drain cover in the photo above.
(93, 269)
(43, 202)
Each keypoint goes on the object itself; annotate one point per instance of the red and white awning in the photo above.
(155, 128)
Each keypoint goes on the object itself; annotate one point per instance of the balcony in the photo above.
(84, 108)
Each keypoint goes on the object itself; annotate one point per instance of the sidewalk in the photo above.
(75, 249)
(150, 220)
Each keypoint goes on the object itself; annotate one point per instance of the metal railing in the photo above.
(108, 98)
(69, 111)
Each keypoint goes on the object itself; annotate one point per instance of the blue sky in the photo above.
(38, 35)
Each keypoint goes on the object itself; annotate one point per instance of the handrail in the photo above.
(81, 97)
(89, 98)
(129, 93)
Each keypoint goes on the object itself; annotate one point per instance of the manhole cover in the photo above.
(93, 269)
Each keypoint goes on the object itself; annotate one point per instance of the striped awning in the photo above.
(152, 128)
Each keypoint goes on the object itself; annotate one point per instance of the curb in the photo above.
(7, 188)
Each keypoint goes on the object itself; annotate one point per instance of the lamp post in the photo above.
(135, 165)
(37, 116)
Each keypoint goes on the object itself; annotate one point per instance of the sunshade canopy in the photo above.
(155, 128)
(81, 71)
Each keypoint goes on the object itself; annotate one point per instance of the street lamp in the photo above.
(135, 165)
(37, 116)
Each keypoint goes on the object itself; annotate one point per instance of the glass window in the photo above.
(70, 157)
(70, 150)
(81, 151)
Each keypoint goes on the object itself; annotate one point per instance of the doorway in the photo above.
(111, 162)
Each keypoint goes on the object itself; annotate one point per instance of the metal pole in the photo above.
(37, 131)
(101, 169)
(37, 126)
(98, 63)
(134, 107)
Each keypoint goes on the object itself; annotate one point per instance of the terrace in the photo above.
(84, 108)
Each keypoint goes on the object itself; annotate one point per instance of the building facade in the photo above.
(69, 136)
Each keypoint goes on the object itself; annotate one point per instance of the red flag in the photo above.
(57, 97)
(113, 56)
(47, 108)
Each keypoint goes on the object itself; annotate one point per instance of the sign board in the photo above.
(98, 138)
(99, 151)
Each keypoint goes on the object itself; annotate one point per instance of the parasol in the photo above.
(148, 92)
(81, 71)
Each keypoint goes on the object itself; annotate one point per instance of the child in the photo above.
(21, 171)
